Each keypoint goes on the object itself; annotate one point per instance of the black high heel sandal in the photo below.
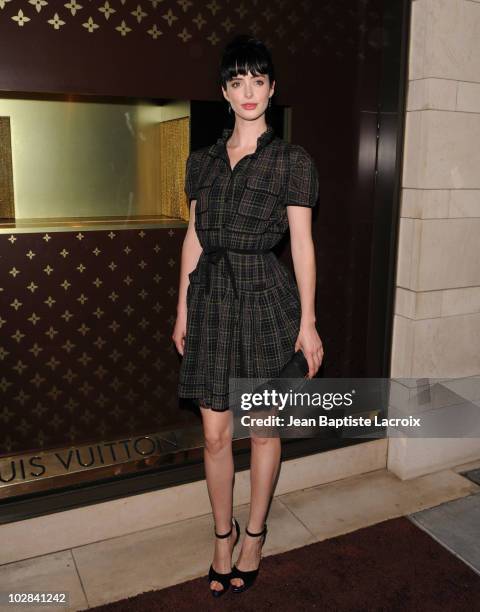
(224, 579)
(250, 576)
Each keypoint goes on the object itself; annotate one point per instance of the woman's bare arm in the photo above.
(191, 251)
(303, 256)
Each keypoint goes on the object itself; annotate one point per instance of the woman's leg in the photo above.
(264, 465)
(219, 471)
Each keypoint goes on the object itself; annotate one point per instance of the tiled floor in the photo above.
(445, 504)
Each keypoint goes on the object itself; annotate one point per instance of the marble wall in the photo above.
(437, 307)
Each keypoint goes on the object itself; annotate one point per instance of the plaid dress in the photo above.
(243, 308)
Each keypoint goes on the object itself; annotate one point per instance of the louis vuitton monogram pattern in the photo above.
(293, 27)
(85, 336)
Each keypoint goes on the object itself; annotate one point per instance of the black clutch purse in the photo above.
(295, 368)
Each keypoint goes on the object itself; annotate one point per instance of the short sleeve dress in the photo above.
(243, 305)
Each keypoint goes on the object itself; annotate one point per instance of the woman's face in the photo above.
(249, 94)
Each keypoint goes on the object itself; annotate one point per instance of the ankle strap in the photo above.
(224, 535)
(255, 535)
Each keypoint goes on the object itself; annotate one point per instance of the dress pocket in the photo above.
(202, 193)
(257, 204)
(203, 208)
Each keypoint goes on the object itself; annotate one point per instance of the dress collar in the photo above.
(219, 149)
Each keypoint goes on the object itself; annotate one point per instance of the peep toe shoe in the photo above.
(224, 579)
(249, 576)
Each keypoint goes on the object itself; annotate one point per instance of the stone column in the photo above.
(437, 306)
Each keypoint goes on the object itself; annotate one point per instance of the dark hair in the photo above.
(244, 54)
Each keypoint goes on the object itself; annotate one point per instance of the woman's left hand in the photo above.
(309, 342)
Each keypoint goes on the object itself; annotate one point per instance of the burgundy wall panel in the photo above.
(93, 51)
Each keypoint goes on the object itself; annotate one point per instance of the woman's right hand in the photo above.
(180, 331)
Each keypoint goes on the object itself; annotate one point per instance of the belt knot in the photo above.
(216, 254)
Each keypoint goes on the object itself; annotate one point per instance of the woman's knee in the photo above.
(217, 429)
(217, 440)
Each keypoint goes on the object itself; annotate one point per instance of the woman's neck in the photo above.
(246, 133)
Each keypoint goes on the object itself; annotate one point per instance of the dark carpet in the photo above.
(392, 566)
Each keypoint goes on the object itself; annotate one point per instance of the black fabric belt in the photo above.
(215, 255)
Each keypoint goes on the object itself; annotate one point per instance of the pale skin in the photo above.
(217, 426)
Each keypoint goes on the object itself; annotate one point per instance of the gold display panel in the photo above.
(69, 162)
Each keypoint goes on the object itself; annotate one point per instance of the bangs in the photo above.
(245, 64)
(244, 58)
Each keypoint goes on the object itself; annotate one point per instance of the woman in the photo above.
(240, 312)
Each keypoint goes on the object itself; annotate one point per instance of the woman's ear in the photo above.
(224, 92)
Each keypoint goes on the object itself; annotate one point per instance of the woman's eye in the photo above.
(260, 82)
